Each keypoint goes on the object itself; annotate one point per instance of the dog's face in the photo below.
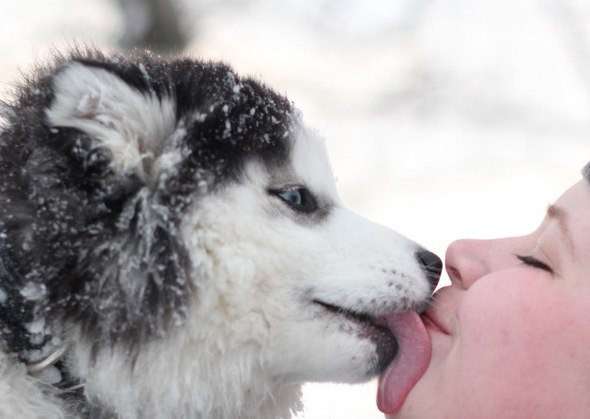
(289, 264)
(174, 205)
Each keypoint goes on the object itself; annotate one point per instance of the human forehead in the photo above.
(572, 211)
(575, 205)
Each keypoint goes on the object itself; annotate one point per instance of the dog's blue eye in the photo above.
(298, 198)
(292, 197)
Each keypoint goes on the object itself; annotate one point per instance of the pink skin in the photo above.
(510, 340)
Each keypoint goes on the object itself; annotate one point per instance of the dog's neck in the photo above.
(169, 380)
(227, 390)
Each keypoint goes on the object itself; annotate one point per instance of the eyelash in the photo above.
(534, 262)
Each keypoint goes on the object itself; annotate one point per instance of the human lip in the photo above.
(433, 321)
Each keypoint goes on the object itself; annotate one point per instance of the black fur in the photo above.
(105, 247)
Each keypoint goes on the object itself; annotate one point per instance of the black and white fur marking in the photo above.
(177, 228)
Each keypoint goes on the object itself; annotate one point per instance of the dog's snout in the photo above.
(431, 264)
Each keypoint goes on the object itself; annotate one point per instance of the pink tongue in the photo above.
(411, 362)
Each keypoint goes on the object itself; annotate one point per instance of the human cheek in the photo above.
(496, 330)
(502, 323)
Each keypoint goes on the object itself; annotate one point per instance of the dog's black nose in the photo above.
(431, 265)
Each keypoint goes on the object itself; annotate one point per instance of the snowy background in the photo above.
(444, 119)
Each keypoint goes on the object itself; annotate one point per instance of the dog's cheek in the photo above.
(316, 351)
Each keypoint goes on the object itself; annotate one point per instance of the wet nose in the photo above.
(431, 265)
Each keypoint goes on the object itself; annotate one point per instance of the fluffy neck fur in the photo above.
(160, 387)
(25, 397)
(169, 380)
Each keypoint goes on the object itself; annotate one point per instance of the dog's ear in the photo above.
(118, 110)
(130, 277)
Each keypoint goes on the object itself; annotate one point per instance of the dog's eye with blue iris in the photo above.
(298, 198)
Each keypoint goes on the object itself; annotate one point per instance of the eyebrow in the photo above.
(557, 213)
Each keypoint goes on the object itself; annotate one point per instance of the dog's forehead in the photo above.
(310, 162)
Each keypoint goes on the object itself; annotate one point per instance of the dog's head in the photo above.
(291, 262)
(175, 201)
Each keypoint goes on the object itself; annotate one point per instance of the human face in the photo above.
(511, 336)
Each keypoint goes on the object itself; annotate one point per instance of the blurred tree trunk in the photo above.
(153, 24)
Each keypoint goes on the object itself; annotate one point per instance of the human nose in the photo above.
(465, 262)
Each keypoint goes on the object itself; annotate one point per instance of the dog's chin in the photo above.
(365, 327)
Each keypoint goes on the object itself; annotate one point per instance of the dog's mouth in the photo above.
(354, 316)
(370, 327)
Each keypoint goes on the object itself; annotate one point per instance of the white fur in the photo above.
(25, 397)
(132, 125)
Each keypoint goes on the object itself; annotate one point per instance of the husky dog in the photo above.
(172, 245)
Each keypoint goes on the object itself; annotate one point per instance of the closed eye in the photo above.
(534, 262)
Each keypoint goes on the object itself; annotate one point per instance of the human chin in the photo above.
(430, 395)
(426, 396)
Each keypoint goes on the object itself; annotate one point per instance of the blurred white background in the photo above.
(444, 119)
